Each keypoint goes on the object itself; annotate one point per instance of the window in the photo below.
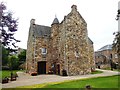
(116, 56)
(76, 54)
(44, 51)
(73, 36)
(45, 35)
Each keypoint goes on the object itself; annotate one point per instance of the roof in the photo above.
(55, 21)
(90, 40)
(42, 31)
(106, 47)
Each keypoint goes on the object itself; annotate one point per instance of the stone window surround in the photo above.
(43, 51)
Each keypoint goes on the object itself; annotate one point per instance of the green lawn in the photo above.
(7, 73)
(100, 82)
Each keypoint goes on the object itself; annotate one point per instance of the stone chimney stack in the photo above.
(74, 8)
(32, 22)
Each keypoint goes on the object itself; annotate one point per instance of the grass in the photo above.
(99, 82)
(7, 73)
(0, 74)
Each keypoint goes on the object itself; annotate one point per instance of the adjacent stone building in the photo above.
(62, 47)
(105, 57)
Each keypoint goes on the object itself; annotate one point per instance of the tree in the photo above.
(8, 26)
(118, 14)
(116, 42)
(13, 62)
(22, 56)
(5, 54)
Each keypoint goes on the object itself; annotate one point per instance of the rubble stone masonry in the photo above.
(67, 43)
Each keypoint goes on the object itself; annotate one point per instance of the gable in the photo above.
(90, 41)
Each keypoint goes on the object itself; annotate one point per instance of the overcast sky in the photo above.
(99, 14)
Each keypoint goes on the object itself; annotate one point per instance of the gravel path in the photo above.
(25, 79)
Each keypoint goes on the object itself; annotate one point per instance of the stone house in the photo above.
(63, 46)
(104, 56)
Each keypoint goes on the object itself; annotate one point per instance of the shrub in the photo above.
(5, 68)
(50, 72)
(5, 80)
(33, 73)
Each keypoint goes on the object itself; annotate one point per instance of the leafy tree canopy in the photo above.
(22, 56)
(13, 62)
(8, 27)
(116, 42)
(5, 54)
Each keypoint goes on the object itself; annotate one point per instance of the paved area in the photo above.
(25, 79)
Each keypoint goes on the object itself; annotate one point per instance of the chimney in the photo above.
(32, 22)
(74, 8)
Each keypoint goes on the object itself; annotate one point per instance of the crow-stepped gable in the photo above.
(62, 48)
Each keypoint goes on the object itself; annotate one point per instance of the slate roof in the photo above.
(45, 31)
(42, 31)
(55, 21)
(106, 47)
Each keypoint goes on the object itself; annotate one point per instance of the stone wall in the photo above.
(30, 50)
(74, 44)
(42, 42)
(54, 42)
(91, 54)
(68, 46)
(104, 57)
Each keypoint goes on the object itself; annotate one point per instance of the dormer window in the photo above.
(44, 51)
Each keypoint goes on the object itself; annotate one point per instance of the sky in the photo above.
(99, 14)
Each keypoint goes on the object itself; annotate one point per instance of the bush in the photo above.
(13, 62)
(33, 73)
(50, 72)
(5, 68)
(5, 80)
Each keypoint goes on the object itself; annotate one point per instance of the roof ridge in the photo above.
(42, 25)
(106, 47)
